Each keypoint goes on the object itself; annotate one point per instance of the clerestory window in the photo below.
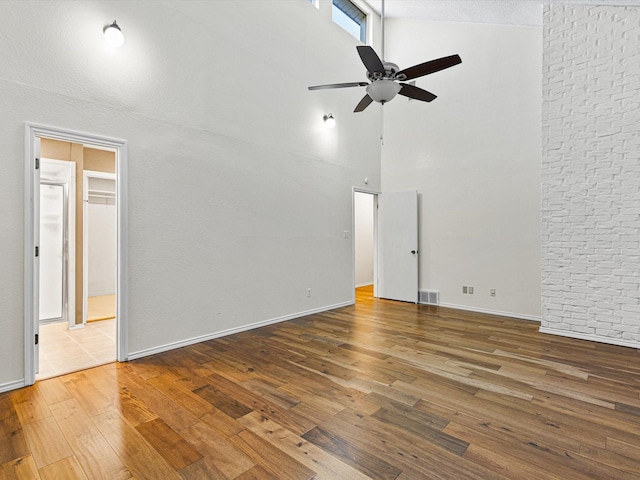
(346, 14)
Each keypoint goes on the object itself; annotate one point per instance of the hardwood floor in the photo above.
(380, 390)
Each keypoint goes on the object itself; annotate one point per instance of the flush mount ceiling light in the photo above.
(329, 121)
(383, 91)
(113, 35)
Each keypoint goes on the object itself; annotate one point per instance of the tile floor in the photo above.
(65, 351)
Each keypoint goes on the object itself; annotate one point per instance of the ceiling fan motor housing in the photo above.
(390, 70)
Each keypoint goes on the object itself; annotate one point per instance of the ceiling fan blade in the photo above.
(416, 93)
(338, 85)
(428, 67)
(370, 59)
(364, 103)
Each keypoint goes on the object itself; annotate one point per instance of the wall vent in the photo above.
(429, 297)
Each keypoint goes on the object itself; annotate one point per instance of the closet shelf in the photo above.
(102, 194)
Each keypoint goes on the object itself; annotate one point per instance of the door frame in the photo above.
(86, 175)
(375, 194)
(33, 133)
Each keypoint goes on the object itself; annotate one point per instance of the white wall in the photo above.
(473, 155)
(363, 236)
(591, 174)
(233, 181)
(102, 244)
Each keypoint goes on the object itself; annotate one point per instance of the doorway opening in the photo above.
(75, 225)
(364, 240)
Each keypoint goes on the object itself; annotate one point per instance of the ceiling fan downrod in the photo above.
(382, 30)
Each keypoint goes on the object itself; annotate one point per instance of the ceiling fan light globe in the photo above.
(383, 90)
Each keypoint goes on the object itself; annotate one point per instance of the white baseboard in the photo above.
(593, 338)
(101, 294)
(231, 331)
(5, 387)
(521, 316)
(364, 284)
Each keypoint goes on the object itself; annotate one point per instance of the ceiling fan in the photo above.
(385, 77)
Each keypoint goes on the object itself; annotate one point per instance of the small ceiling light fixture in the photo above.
(113, 35)
(329, 121)
(383, 91)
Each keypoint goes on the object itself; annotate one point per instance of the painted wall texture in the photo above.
(473, 155)
(238, 195)
(591, 173)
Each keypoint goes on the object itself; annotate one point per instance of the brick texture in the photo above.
(591, 172)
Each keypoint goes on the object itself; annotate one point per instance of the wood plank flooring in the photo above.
(379, 390)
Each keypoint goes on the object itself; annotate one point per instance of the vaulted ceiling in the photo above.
(500, 12)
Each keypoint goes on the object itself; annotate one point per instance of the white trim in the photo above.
(31, 233)
(368, 19)
(366, 284)
(231, 331)
(32, 132)
(122, 287)
(521, 316)
(6, 387)
(592, 338)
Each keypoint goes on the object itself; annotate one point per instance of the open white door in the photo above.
(398, 246)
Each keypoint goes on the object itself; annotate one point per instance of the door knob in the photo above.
(414, 251)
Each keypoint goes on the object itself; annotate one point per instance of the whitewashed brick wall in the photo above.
(591, 173)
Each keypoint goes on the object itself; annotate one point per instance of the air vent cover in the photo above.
(429, 297)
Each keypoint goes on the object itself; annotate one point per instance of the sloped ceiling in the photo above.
(499, 12)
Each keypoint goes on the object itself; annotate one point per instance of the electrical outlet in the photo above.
(308, 292)
(471, 290)
(492, 292)
(464, 289)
